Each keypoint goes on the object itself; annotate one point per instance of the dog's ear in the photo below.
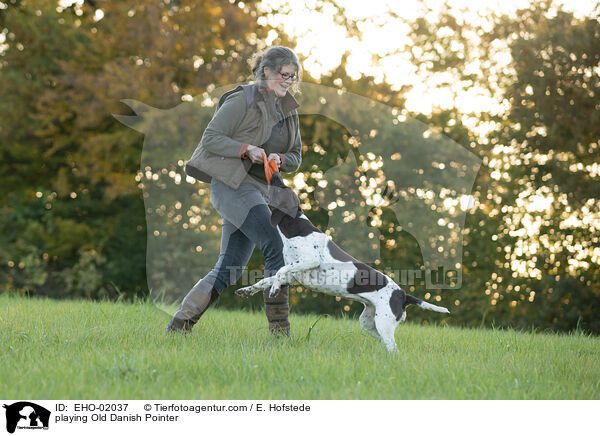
(284, 199)
(277, 180)
(276, 217)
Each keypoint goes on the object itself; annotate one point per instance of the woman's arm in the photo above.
(217, 136)
(291, 160)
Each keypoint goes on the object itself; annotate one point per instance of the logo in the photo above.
(26, 415)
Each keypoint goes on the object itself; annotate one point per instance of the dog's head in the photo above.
(283, 200)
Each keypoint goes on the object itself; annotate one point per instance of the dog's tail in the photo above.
(423, 305)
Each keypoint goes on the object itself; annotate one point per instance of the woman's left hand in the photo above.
(276, 157)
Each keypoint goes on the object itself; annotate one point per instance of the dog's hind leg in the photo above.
(367, 321)
(386, 324)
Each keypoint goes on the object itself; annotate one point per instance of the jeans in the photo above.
(246, 224)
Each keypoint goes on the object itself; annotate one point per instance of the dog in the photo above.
(315, 261)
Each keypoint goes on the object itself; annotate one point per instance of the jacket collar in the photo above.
(288, 102)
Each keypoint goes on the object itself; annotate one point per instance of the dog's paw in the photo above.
(245, 292)
(274, 290)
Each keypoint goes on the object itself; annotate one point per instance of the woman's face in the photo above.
(277, 83)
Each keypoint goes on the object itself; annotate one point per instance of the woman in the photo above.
(251, 121)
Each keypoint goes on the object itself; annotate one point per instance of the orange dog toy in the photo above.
(270, 168)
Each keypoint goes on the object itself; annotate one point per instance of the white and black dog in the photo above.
(318, 263)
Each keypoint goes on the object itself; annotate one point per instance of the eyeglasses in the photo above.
(286, 76)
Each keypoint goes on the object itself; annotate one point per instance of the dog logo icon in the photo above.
(26, 415)
(383, 171)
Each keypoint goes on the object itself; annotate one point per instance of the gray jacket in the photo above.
(244, 115)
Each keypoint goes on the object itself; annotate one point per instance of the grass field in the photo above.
(85, 350)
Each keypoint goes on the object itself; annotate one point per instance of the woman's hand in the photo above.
(255, 154)
(276, 157)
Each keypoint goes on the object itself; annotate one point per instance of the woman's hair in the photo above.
(275, 58)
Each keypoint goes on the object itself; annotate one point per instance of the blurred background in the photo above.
(515, 83)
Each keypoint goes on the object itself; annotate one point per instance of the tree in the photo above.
(68, 167)
(532, 247)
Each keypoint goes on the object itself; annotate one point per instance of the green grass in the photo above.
(85, 350)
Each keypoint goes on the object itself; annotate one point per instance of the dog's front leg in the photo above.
(260, 286)
(285, 275)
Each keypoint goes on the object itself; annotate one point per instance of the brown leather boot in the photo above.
(277, 310)
(193, 306)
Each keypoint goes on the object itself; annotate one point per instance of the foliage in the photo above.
(532, 244)
(74, 221)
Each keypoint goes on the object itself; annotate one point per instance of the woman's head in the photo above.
(278, 69)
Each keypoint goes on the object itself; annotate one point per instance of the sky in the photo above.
(321, 43)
